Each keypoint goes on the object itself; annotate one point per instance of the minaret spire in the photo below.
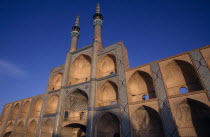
(75, 35)
(97, 22)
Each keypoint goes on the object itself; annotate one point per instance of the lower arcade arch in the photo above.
(8, 130)
(31, 129)
(19, 129)
(47, 128)
(108, 126)
(146, 122)
(73, 130)
(193, 118)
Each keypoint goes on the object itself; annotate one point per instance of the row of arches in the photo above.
(80, 70)
(179, 77)
(31, 129)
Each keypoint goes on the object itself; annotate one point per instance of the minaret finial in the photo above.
(98, 8)
(77, 21)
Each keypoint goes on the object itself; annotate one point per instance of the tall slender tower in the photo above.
(75, 35)
(97, 22)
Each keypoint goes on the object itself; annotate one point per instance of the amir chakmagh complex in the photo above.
(96, 94)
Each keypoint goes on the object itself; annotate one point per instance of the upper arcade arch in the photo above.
(25, 109)
(107, 94)
(55, 82)
(80, 69)
(106, 66)
(15, 111)
(5, 113)
(36, 108)
(140, 84)
(179, 74)
(51, 105)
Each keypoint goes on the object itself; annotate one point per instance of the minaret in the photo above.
(97, 22)
(75, 35)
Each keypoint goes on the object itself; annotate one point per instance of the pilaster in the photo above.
(165, 111)
(202, 69)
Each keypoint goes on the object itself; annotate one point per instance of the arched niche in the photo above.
(146, 122)
(51, 105)
(47, 128)
(25, 109)
(31, 129)
(180, 73)
(15, 111)
(193, 118)
(55, 82)
(73, 130)
(5, 113)
(80, 69)
(19, 129)
(108, 126)
(36, 108)
(107, 94)
(140, 84)
(107, 66)
(8, 130)
(76, 103)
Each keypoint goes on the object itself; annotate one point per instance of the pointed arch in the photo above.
(51, 105)
(107, 94)
(36, 108)
(80, 69)
(147, 122)
(47, 128)
(5, 113)
(25, 109)
(8, 130)
(107, 65)
(180, 73)
(15, 111)
(192, 118)
(108, 125)
(31, 129)
(140, 84)
(19, 129)
(55, 82)
(73, 130)
(76, 103)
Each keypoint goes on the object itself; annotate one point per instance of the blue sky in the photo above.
(35, 35)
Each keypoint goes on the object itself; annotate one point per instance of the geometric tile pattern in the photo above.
(168, 122)
(125, 120)
(202, 69)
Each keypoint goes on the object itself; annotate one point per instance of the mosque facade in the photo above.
(96, 94)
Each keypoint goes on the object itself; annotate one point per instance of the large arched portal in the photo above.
(107, 94)
(76, 105)
(146, 122)
(177, 74)
(19, 129)
(73, 130)
(106, 66)
(51, 105)
(108, 126)
(193, 118)
(47, 128)
(31, 129)
(55, 82)
(140, 84)
(80, 69)
(36, 109)
(25, 109)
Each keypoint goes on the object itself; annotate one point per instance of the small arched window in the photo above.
(82, 115)
(66, 115)
(183, 90)
(111, 73)
(145, 97)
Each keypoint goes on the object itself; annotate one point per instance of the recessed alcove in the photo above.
(19, 129)
(55, 82)
(15, 111)
(80, 70)
(31, 129)
(36, 108)
(51, 105)
(47, 128)
(25, 109)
